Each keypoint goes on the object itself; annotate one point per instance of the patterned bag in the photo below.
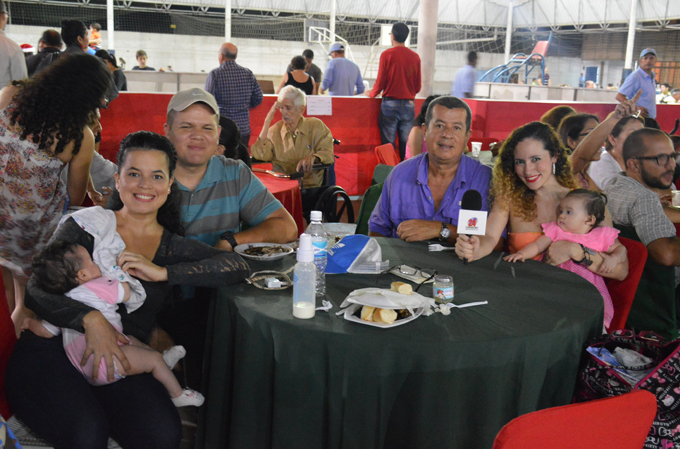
(598, 380)
(7, 438)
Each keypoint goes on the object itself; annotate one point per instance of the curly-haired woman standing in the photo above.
(43, 127)
(529, 181)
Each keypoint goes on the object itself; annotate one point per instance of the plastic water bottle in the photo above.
(304, 280)
(320, 243)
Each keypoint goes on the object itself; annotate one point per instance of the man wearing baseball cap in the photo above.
(219, 193)
(12, 59)
(342, 75)
(642, 79)
(216, 195)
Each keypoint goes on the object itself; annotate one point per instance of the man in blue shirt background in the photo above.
(642, 79)
(235, 89)
(342, 75)
(464, 84)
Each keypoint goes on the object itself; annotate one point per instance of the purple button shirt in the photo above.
(406, 195)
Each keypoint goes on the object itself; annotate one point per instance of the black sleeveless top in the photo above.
(307, 87)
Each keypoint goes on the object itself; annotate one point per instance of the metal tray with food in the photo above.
(264, 251)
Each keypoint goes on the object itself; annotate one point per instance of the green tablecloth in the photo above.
(274, 381)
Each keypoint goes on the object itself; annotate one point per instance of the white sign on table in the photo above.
(319, 105)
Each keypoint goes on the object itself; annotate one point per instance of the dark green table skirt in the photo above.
(274, 381)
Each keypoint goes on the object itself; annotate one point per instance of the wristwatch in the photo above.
(587, 252)
(229, 237)
(445, 233)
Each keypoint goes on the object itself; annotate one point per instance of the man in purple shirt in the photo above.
(421, 197)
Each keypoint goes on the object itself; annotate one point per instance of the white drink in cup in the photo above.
(476, 149)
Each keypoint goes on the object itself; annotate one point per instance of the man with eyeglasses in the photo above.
(650, 162)
(12, 59)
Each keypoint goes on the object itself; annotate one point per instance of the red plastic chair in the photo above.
(7, 340)
(623, 292)
(386, 155)
(621, 422)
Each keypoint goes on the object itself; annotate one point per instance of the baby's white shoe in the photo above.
(173, 355)
(188, 398)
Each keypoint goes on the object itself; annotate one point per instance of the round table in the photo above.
(437, 382)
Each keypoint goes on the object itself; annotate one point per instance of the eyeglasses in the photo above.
(412, 271)
(661, 160)
(425, 273)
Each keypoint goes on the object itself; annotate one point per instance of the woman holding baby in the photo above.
(530, 180)
(45, 390)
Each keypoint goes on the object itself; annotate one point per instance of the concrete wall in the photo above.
(268, 59)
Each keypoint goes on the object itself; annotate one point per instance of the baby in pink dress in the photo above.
(67, 268)
(579, 214)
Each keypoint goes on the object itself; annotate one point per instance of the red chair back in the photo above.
(7, 340)
(386, 155)
(623, 292)
(626, 418)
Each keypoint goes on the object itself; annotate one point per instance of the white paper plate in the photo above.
(349, 316)
(240, 249)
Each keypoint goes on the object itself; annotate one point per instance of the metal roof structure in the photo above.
(579, 14)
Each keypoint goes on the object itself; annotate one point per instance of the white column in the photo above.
(109, 25)
(508, 32)
(427, 43)
(227, 21)
(334, 7)
(628, 64)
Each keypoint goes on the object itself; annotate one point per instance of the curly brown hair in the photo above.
(55, 105)
(507, 188)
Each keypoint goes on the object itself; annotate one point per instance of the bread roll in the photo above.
(386, 316)
(401, 287)
(367, 313)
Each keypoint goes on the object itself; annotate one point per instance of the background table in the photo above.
(440, 381)
(288, 192)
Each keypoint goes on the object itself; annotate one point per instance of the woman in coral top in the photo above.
(529, 181)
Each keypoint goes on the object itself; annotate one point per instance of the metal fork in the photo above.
(438, 247)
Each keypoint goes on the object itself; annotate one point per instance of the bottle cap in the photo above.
(305, 252)
(315, 215)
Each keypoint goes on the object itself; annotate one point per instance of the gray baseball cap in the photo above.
(185, 98)
(647, 51)
(336, 47)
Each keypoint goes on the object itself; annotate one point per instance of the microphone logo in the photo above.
(472, 222)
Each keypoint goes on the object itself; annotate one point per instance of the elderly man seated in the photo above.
(421, 198)
(295, 143)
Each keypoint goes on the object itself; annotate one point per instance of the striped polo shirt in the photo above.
(228, 195)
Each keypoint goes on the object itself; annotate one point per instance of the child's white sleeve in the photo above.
(51, 328)
(137, 296)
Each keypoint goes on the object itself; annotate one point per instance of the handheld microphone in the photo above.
(472, 201)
